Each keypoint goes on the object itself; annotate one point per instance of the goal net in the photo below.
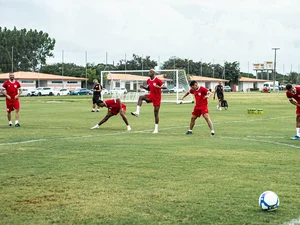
(126, 84)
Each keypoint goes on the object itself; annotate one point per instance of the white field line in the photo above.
(293, 222)
(149, 131)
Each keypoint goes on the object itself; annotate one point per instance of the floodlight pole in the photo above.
(274, 70)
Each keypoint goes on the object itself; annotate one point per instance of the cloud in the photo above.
(242, 30)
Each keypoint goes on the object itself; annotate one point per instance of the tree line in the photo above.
(28, 50)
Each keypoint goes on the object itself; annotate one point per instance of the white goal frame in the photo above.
(133, 95)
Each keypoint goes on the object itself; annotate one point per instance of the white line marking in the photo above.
(150, 131)
(293, 222)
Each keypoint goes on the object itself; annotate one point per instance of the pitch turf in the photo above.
(55, 170)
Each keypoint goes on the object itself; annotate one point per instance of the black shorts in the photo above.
(220, 96)
(96, 99)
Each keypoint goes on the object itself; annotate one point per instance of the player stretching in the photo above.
(154, 86)
(114, 107)
(293, 94)
(219, 89)
(201, 95)
(12, 90)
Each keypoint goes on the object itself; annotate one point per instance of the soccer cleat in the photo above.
(295, 138)
(97, 110)
(155, 132)
(135, 114)
(17, 125)
(95, 127)
(10, 124)
(189, 132)
(217, 107)
(212, 134)
(92, 110)
(129, 128)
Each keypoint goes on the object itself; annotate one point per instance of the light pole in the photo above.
(274, 70)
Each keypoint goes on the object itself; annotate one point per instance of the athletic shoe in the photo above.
(95, 127)
(135, 114)
(212, 133)
(155, 132)
(97, 110)
(129, 128)
(217, 107)
(92, 110)
(295, 138)
(189, 132)
(10, 124)
(220, 108)
(17, 125)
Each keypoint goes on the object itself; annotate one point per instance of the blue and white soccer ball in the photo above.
(268, 201)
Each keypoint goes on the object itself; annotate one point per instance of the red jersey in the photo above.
(112, 103)
(154, 92)
(199, 94)
(11, 88)
(295, 96)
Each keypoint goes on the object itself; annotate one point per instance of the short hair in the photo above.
(288, 87)
(192, 83)
(153, 70)
(95, 80)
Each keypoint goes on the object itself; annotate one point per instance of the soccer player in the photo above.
(114, 106)
(201, 95)
(154, 86)
(219, 89)
(293, 94)
(12, 90)
(96, 95)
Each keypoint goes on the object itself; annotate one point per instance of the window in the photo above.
(27, 81)
(56, 82)
(72, 82)
(117, 84)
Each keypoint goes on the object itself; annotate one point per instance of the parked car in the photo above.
(82, 91)
(63, 91)
(165, 90)
(118, 90)
(26, 92)
(44, 91)
(227, 88)
(104, 91)
(175, 89)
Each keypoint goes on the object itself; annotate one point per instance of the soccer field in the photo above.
(55, 170)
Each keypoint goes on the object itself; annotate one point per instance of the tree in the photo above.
(66, 69)
(24, 50)
(137, 63)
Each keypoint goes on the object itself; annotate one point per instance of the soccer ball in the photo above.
(268, 201)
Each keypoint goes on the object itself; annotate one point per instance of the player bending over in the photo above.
(114, 107)
(154, 86)
(201, 107)
(293, 94)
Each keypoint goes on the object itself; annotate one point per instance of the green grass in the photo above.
(55, 170)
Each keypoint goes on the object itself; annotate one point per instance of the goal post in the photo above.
(125, 84)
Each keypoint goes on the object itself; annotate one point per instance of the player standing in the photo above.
(219, 89)
(96, 94)
(12, 90)
(154, 86)
(114, 106)
(201, 107)
(293, 94)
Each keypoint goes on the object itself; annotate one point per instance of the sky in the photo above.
(209, 30)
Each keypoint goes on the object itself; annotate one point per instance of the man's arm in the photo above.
(19, 93)
(186, 94)
(3, 91)
(293, 102)
(146, 88)
(215, 92)
(161, 87)
(208, 94)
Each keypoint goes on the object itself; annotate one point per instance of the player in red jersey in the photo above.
(293, 94)
(201, 95)
(154, 86)
(12, 90)
(114, 106)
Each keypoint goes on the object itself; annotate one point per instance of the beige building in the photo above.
(207, 82)
(32, 80)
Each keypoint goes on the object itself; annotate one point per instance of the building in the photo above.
(246, 84)
(32, 80)
(208, 82)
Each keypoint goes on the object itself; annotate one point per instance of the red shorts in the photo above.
(154, 99)
(200, 110)
(116, 110)
(12, 104)
(297, 110)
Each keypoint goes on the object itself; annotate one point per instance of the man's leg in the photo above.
(192, 124)
(124, 117)
(156, 116)
(298, 125)
(209, 123)
(139, 104)
(9, 118)
(17, 118)
(108, 115)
